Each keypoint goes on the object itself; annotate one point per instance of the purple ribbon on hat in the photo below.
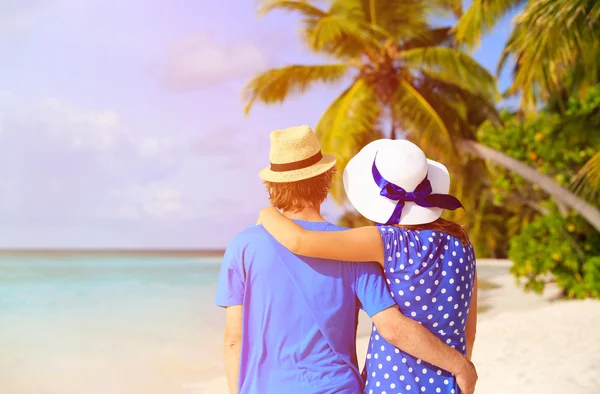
(422, 196)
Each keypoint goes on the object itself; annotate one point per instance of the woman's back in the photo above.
(430, 275)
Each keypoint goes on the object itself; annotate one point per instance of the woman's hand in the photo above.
(467, 378)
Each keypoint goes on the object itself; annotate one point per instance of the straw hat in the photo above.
(295, 155)
(387, 183)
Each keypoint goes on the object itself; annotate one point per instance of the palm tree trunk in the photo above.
(562, 195)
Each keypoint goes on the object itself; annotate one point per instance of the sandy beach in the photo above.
(526, 343)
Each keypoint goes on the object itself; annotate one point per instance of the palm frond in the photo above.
(349, 122)
(480, 18)
(454, 67)
(452, 6)
(275, 85)
(422, 123)
(342, 30)
(582, 127)
(341, 36)
(400, 19)
(549, 39)
(302, 7)
(476, 109)
(587, 181)
(431, 38)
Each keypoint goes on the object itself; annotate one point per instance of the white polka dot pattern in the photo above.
(435, 290)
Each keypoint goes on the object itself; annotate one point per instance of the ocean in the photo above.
(79, 324)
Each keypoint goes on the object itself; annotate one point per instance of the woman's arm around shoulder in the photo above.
(360, 244)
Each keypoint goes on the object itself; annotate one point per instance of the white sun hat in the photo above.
(392, 182)
(295, 155)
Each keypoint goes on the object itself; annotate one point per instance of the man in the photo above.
(291, 321)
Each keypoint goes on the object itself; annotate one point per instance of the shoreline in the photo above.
(53, 253)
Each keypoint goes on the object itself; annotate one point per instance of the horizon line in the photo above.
(114, 250)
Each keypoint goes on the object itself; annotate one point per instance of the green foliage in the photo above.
(452, 66)
(555, 44)
(558, 144)
(582, 123)
(481, 17)
(277, 84)
(555, 144)
(347, 125)
(553, 40)
(565, 249)
(587, 182)
(544, 242)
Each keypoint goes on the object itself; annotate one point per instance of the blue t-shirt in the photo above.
(300, 314)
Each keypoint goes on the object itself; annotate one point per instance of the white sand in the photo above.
(532, 344)
(526, 344)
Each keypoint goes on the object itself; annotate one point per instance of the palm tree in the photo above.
(555, 44)
(403, 73)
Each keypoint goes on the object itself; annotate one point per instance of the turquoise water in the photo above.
(64, 284)
(107, 316)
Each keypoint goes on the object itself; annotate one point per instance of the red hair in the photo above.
(454, 229)
(307, 193)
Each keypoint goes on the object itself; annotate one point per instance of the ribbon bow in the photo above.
(422, 196)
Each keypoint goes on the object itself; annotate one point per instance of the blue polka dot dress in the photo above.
(430, 275)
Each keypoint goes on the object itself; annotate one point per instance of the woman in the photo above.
(428, 262)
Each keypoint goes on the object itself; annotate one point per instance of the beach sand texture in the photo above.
(526, 344)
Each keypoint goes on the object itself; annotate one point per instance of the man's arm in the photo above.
(413, 338)
(230, 295)
(233, 346)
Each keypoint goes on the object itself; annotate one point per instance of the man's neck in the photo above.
(307, 214)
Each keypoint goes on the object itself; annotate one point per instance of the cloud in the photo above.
(58, 121)
(25, 15)
(139, 200)
(84, 128)
(64, 164)
(18, 14)
(153, 147)
(222, 141)
(197, 61)
(59, 163)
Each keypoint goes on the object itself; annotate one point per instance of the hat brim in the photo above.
(321, 167)
(363, 192)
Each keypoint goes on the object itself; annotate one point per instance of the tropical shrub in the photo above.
(556, 144)
(553, 247)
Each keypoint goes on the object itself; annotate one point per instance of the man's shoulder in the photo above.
(247, 236)
(335, 227)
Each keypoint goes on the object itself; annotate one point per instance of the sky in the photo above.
(122, 124)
